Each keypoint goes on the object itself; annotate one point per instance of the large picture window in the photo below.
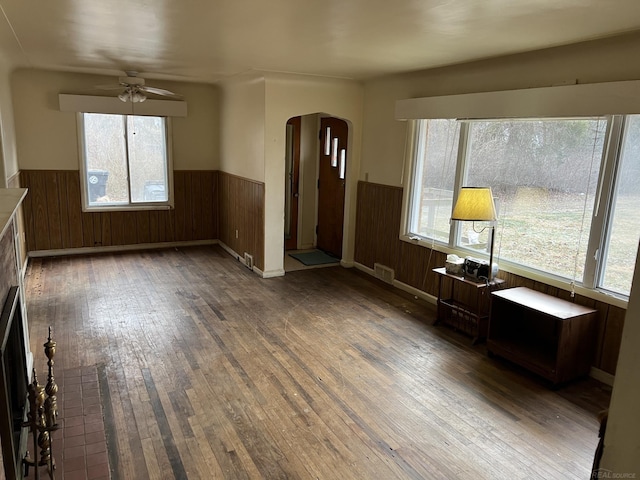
(561, 187)
(125, 162)
(437, 146)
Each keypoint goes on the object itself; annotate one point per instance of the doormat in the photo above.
(314, 258)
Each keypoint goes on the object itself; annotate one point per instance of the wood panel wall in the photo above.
(379, 209)
(241, 210)
(53, 216)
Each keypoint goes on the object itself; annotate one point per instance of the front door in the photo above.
(331, 184)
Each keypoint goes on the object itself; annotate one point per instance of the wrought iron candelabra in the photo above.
(42, 418)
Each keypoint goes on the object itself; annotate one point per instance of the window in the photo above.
(543, 174)
(437, 147)
(126, 162)
(624, 219)
(561, 190)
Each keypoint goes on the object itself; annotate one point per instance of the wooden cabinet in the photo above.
(463, 303)
(549, 336)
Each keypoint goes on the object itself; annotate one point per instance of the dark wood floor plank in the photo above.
(212, 372)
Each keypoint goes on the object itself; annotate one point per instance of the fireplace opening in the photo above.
(13, 386)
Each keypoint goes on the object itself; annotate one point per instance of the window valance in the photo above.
(591, 99)
(98, 104)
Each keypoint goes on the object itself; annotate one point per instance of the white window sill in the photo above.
(127, 208)
(530, 273)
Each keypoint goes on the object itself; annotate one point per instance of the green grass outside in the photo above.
(546, 231)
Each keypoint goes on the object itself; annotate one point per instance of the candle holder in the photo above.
(42, 418)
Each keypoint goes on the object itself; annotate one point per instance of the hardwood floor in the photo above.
(208, 371)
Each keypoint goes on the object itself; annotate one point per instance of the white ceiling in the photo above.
(207, 40)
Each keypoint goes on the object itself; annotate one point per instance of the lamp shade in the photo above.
(475, 204)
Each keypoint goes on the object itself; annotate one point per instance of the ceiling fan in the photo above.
(135, 89)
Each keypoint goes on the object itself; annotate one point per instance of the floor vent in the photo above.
(248, 261)
(384, 273)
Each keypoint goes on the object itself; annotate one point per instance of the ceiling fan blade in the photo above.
(158, 91)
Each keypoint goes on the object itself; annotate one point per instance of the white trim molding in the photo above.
(118, 248)
(602, 376)
(401, 285)
(261, 273)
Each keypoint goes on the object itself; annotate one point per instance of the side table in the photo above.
(549, 336)
(465, 304)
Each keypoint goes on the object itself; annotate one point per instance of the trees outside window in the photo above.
(551, 179)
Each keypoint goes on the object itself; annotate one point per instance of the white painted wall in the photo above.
(9, 160)
(47, 138)
(384, 137)
(289, 96)
(242, 107)
(622, 442)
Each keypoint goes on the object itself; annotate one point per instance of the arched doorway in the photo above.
(316, 153)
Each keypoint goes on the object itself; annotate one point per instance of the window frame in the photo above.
(128, 207)
(591, 284)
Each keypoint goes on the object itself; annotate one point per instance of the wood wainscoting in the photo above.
(54, 218)
(209, 205)
(241, 212)
(379, 214)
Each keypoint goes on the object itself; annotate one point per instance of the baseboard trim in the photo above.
(602, 376)
(416, 292)
(256, 270)
(364, 268)
(117, 248)
(272, 273)
(234, 254)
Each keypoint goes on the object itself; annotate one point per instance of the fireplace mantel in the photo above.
(10, 200)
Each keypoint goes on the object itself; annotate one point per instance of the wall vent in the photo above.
(384, 273)
(248, 261)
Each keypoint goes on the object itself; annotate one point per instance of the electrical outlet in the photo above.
(248, 260)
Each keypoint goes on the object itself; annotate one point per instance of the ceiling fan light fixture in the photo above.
(132, 94)
(138, 96)
(134, 89)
